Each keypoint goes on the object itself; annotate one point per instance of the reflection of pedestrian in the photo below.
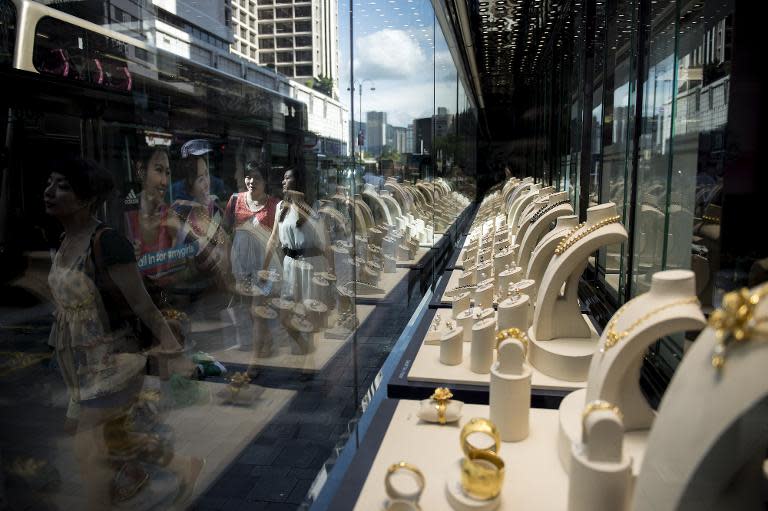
(251, 214)
(152, 230)
(297, 231)
(98, 291)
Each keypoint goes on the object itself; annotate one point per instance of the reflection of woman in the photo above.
(100, 360)
(150, 227)
(201, 215)
(297, 233)
(251, 214)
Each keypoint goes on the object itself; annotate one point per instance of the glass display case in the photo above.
(205, 262)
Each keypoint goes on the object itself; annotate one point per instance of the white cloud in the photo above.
(389, 54)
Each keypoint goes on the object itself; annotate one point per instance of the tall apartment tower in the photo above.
(376, 127)
(298, 38)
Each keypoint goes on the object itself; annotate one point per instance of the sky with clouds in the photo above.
(395, 51)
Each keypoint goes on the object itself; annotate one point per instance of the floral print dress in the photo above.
(95, 362)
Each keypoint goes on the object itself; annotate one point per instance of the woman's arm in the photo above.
(128, 280)
(273, 238)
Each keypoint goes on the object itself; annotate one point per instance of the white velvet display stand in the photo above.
(510, 392)
(539, 201)
(524, 220)
(601, 473)
(514, 312)
(707, 446)
(483, 343)
(508, 276)
(562, 342)
(519, 204)
(452, 347)
(614, 374)
(521, 187)
(540, 227)
(460, 303)
(469, 317)
(545, 250)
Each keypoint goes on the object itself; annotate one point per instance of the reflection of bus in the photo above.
(80, 89)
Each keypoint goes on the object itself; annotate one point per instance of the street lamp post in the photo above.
(359, 87)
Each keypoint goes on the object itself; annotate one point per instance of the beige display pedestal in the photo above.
(545, 250)
(614, 374)
(562, 340)
(523, 222)
(513, 218)
(533, 479)
(537, 230)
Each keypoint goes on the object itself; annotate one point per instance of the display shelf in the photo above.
(403, 386)
(427, 367)
(325, 348)
(534, 478)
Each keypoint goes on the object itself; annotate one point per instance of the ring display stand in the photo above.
(614, 374)
(601, 474)
(562, 342)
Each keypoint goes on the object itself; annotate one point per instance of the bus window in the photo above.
(7, 32)
(72, 52)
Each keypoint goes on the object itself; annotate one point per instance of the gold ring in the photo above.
(513, 333)
(482, 475)
(596, 405)
(397, 494)
(441, 395)
(479, 425)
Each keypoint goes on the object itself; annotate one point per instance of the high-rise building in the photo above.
(376, 137)
(397, 138)
(299, 39)
(409, 143)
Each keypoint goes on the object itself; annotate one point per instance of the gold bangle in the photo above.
(513, 333)
(397, 494)
(479, 425)
(482, 475)
(596, 405)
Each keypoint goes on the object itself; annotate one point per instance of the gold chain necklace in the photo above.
(734, 321)
(613, 337)
(577, 233)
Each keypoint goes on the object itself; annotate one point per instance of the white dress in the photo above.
(297, 273)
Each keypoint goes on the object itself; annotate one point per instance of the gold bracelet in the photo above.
(441, 395)
(397, 494)
(612, 337)
(482, 475)
(735, 321)
(513, 333)
(479, 425)
(596, 405)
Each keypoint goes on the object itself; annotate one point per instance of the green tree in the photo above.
(322, 84)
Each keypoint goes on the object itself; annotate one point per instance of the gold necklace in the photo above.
(613, 337)
(577, 234)
(735, 321)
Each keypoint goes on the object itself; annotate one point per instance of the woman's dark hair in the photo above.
(298, 178)
(144, 153)
(253, 168)
(87, 178)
